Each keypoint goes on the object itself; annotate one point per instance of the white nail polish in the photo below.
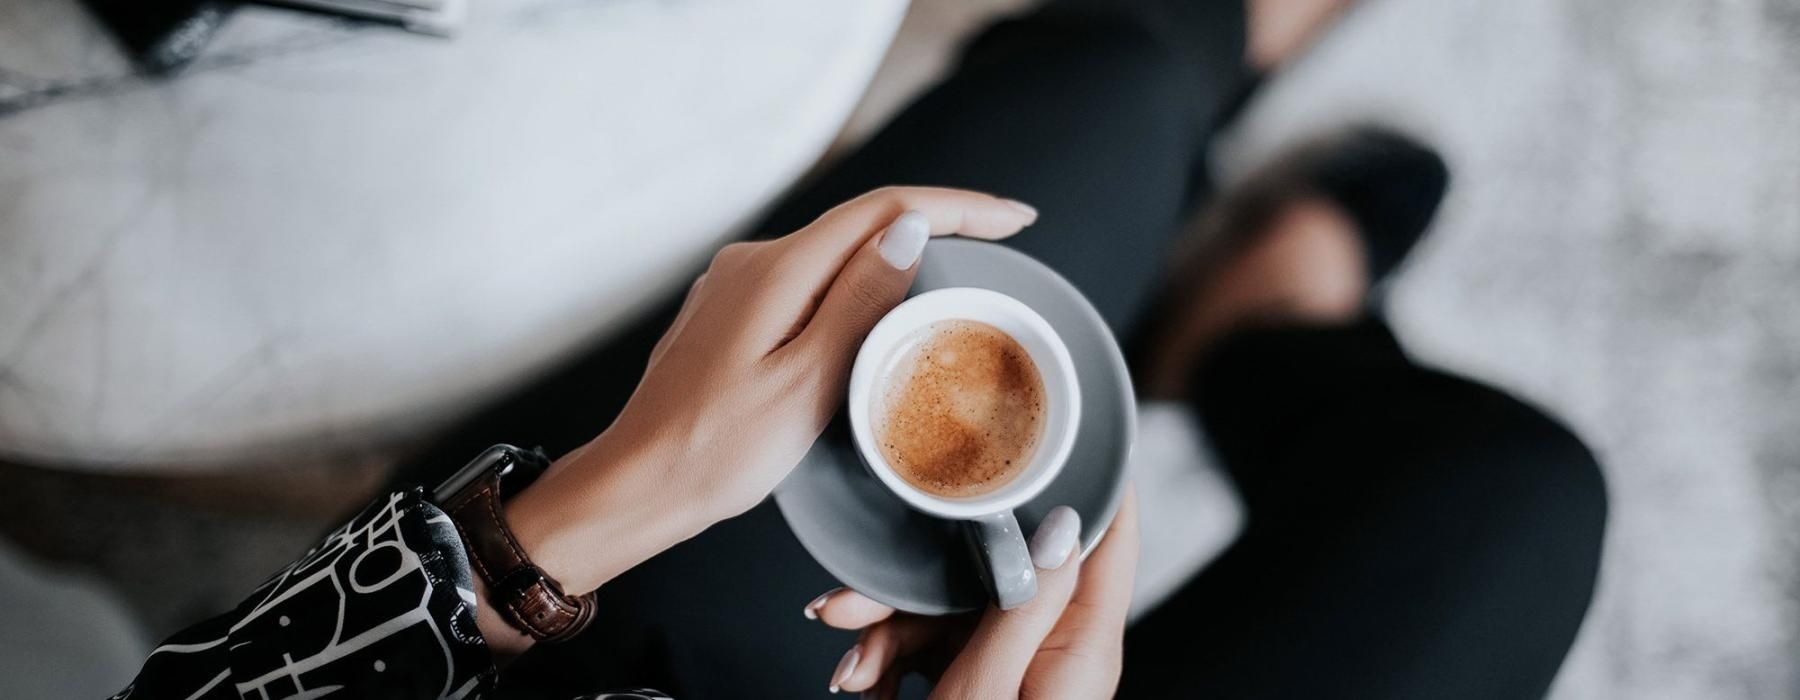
(812, 609)
(1055, 538)
(904, 240)
(1023, 208)
(846, 667)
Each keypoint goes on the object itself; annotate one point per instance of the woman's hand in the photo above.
(1066, 643)
(742, 383)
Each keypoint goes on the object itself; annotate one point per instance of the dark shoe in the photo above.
(1390, 185)
(1281, 249)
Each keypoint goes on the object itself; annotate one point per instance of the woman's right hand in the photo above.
(1066, 643)
(748, 375)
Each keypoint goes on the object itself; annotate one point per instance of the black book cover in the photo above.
(162, 35)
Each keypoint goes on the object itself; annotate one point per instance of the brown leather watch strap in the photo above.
(523, 594)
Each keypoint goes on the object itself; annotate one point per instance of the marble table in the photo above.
(326, 234)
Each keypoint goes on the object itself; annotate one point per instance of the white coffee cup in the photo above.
(993, 529)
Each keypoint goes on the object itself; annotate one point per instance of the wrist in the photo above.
(504, 640)
(603, 509)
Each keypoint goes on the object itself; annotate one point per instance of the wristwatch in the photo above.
(525, 596)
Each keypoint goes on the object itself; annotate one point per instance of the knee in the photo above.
(1530, 477)
(1130, 54)
(1559, 471)
(1120, 54)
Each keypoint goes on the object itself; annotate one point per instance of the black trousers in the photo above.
(1409, 534)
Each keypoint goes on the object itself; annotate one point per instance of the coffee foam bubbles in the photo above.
(962, 411)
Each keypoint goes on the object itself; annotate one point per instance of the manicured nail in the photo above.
(904, 240)
(812, 609)
(846, 667)
(1055, 538)
(1024, 208)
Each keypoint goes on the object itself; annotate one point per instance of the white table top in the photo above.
(326, 235)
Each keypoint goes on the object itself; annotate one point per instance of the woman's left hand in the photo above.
(744, 381)
(1068, 642)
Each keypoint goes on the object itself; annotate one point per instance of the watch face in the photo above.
(496, 457)
(516, 468)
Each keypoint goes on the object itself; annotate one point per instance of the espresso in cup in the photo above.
(964, 403)
(962, 412)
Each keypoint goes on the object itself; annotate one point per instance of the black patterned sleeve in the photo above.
(383, 607)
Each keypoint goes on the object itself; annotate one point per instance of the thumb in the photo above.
(994, 661)
(871, 284)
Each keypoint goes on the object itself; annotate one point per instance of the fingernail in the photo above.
(1055, 538)
(1023, 208)
(846, 667)
(812, 609)
(905, 239)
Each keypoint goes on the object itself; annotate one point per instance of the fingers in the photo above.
(795, 275)
(837, 254)
(877, 650)
(866, 665)
(870, 284)
(970, 213)
(890, 644)
(1108, 574)
(846, 609)
(815, 256)
(994, 662)
(1092, 629)
(888, 688)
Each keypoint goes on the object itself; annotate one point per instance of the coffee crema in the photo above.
(962, 412)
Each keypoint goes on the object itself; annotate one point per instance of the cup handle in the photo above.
(1004, 561)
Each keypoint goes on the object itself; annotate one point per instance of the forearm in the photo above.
(596, 513)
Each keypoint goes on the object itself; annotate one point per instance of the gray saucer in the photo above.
(874, 543)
